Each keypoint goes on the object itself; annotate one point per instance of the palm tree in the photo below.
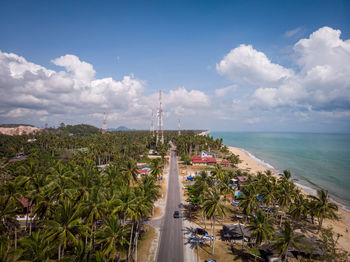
(113, 238)
(286, 240)
(300, 207)
(129, 171)
(249, 202)
(8, 254)
(322, 207)
(284, 193)
(261, 228)
(212, 207)
(36, 247)
(66, 225)
(8, 221)
(157, 168)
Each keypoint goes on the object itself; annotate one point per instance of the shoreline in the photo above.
(253, 165)
(204, 133)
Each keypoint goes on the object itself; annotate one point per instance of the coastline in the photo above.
(253, 165)
(204, 133)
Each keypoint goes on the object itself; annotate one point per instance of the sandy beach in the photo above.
(252, 166)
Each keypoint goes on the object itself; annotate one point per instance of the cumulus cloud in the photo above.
(322, 82)
(32, 93)
(246, 65)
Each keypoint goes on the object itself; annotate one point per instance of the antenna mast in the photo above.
(160, 131)
(161, 115)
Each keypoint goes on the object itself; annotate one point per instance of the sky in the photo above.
(221, 65)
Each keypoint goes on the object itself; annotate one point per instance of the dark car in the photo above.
(210, 260)
(200, 231)
(176, 214)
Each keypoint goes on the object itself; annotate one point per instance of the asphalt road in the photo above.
(171, 238)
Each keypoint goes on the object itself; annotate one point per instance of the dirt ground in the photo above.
(145, 244)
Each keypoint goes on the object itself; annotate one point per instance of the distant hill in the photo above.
(14, 129)
(15, 125)
(81, 130)
(120, 128)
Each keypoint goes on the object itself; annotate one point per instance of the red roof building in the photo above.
(210, 160)
(199, 162)
(224, 162)
(196, 157)
(24, 202)
(141, 171)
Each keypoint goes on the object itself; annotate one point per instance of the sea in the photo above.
(316, 160)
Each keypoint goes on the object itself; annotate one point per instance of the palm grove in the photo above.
(74, 210)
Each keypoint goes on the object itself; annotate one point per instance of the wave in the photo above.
(310, 190)
(260, 161)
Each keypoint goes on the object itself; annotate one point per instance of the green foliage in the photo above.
(186, 159)
(80, 130)
(329, 247)
(71, 196)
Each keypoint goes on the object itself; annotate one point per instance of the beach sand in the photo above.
(252, 166)
(204, 133)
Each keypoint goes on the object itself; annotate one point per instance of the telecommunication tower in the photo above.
(160, 131)
(179, 126)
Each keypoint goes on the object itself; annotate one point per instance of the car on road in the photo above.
(200, 231)
(176, 214)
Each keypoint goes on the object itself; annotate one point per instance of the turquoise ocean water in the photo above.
(315, 160)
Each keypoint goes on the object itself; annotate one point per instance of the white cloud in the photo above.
(246, 65)
(221, 92)
(80, 69)
(32, 93)
(323, 82)
(292, 32)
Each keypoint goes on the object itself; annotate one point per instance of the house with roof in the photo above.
(206, 154)
(224, 162)
(199, 160)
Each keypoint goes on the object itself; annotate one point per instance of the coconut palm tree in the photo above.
(113, 237)
(8, 254)
(286, 240)
(36, 247)
(212, 207)
(249, 201)
(66, 226)
(261, 228)
(129, 171)
(322, 207)
(300, 207)
(157, 167)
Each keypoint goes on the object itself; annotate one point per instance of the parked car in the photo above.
(208, 237)
(200, 231)
(235, 203)
(176, 214)
(195, 240)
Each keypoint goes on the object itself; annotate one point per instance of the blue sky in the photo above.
(176, 46)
